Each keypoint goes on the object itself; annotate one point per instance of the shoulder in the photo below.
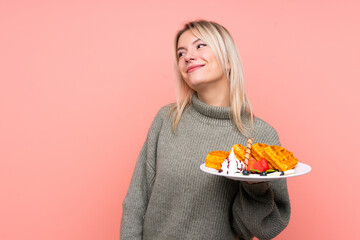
(164, 112)
(162, 115)
(262, 126)
(263, 132)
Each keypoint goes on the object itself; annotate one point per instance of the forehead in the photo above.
(187, 37)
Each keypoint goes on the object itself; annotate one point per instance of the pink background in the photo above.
(80, 82)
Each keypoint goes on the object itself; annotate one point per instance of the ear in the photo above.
(228, 66)
(228, 71)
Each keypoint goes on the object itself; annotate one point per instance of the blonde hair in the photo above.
(224, 48)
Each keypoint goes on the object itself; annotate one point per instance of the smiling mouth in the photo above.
(194, 68)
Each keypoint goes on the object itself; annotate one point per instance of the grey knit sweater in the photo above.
(171, 198)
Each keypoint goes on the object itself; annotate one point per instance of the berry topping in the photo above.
(251, 163)
(265, 164)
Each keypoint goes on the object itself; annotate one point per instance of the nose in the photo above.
(190, 56)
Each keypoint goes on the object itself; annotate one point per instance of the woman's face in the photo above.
(197, 63)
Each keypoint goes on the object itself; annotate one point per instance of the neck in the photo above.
(218, 96)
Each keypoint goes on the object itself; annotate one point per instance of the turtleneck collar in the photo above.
(210, 111)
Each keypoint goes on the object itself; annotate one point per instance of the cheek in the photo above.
(212, 60)
(182, 74)
(215, 67)
(181, 66)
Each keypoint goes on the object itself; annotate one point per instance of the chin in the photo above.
(195, 85)
(196, 81)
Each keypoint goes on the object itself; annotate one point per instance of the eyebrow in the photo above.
(192, 43)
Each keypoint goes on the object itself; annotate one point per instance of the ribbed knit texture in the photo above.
(171, 198)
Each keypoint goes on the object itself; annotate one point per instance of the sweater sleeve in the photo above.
(136, 200)
(261, 209)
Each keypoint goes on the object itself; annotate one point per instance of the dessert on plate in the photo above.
(258, 158)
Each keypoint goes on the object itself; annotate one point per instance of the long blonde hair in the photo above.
(224, 48)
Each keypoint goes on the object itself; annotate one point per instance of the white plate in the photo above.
(300, 169)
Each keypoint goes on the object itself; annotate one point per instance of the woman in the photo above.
(169, 196)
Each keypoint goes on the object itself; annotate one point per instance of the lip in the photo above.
(194, 67)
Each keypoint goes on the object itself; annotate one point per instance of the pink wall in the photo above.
(80, 82)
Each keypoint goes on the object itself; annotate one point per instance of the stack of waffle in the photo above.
(277, 157)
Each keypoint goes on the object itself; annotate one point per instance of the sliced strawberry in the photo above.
(251, 163)
(258, 166)
(265, 164)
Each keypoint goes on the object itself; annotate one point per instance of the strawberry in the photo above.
(258, 166)
(265, 164)
(251, 163)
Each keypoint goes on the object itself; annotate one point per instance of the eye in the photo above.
(180, 54)
(201, 45)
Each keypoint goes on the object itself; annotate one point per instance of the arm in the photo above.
(261, 209)
(136, 200)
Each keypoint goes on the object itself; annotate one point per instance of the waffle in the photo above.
(239, 151)
(215, 158)
(257, 152)
(280, 158)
